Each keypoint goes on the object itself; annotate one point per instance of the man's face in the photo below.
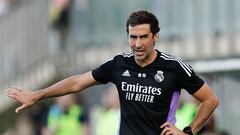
(142, 41)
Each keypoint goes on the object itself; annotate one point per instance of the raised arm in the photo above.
(69, 85)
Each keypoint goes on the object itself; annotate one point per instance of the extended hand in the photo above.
(170, 129)
(24, 97)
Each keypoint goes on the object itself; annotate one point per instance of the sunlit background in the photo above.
(36, 52)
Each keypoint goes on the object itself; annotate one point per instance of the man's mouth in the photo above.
(139, 52)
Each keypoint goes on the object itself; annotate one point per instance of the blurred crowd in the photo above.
(6, 5)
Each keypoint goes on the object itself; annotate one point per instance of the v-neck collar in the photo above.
(147, 66)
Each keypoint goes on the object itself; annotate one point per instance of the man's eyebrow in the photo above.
(141, 36)
(133, 36)
(145, 35)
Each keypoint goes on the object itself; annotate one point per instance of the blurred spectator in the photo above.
(185, 113)
(38, 115)
(108, 115)
(67, 117)
(59, 17)
(5, 6)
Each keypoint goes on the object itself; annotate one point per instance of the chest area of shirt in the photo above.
(145, 85)
(154, 77)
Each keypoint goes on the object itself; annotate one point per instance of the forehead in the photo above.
(139, 29)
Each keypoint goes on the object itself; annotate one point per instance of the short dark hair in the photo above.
(143, 17)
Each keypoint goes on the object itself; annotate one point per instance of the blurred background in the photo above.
(43, 41)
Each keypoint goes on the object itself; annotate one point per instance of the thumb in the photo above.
(20, 108)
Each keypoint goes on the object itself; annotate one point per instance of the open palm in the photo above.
(23, 96)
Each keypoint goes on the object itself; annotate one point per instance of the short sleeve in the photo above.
(104, 72)
(188, 79)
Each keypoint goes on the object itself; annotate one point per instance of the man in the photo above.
(148, 83)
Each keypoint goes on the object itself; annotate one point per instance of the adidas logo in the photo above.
(126, 73)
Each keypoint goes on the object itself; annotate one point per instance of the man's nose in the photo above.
(138, 42)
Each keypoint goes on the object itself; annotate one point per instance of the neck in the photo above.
(148, 60)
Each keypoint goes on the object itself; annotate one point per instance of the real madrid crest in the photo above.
(159, 77)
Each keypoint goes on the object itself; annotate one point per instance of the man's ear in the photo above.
(156, 37)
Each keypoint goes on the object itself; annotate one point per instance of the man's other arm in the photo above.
(208, 104)
(69, 85)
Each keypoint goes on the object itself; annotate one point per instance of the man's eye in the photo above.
(144, 37)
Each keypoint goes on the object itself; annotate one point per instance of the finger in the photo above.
(10, 90)
(165, 130)
(170, 133)
(20, 108)
(166, 124)
(12, 94)
(16, 88)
